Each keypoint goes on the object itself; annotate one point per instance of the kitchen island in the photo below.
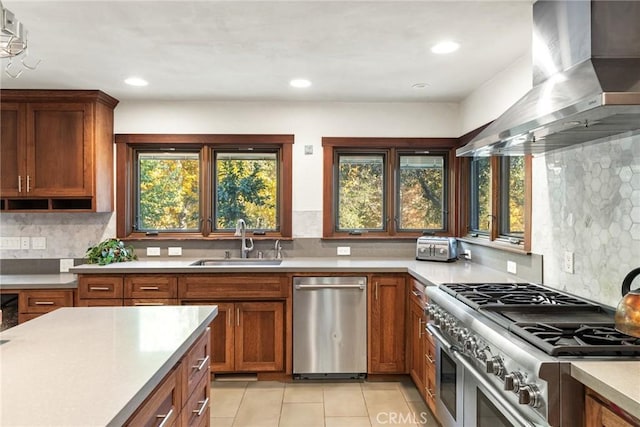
(92, 366)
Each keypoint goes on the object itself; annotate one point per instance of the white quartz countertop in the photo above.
(92, 366)
(38, 281)
(617, 381)
(426, 271)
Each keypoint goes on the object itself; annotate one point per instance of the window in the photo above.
(195, 186)
(500, 200)
(386, 187)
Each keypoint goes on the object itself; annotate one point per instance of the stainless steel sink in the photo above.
(239, 261)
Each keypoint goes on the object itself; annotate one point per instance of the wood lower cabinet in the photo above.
(387, 324)
(36, 302)
(247, 337)
(417, 344)
(430, 371)
(127, 290)
(183, 396)
(599, 412)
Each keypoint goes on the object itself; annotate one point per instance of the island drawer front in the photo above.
(91, 286)
(39, 301)
(150, 286)
(196, 364)
(142, 302)
(163, 405)
(100, 302)
(195, 412)
(222, 286)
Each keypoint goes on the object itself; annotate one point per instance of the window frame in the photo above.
(494, 236)
(394, 147)
(128, 144)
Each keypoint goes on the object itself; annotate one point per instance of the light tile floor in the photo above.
(314, 403)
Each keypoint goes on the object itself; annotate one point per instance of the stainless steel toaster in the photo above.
(436, 249)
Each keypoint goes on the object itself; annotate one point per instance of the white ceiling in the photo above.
(362, 51)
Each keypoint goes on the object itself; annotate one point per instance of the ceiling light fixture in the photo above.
(13, 43)
(445, 47)
(300, 83)
(136, 81)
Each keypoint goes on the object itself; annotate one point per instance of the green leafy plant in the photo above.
(108, 251)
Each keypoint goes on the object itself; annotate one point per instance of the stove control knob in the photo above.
(529, 394)
(513, 381)
(462, 335)
(470, 345)
(495, 366)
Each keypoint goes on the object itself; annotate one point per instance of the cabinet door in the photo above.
(150, 286)
(59, 149)
(222, 338)
(416, 345)
(12, 149)
(259, 336)
(386, 325)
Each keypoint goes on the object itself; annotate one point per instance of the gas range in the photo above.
(519, 338)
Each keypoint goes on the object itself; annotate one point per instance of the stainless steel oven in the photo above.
(465, 397)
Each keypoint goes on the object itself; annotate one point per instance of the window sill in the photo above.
(495, 244)
(198, 237)
(371, 236)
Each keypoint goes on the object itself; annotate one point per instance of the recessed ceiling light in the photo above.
(300, 83)
(420, 85)
(445, 47)
(136, 81)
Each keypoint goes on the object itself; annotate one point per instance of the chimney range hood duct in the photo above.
(586, 81)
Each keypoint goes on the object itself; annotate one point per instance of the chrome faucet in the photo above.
(278, 250)
(241, 231)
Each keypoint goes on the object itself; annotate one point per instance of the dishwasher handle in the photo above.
(360, 286)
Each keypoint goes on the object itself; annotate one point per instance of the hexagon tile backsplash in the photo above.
(586, 200)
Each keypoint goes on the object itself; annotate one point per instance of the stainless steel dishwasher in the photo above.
(329, 327)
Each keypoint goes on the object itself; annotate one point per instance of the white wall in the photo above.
(309, 122)
(496, 95)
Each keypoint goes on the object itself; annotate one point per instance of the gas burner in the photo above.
(603, 335)
(570, 339)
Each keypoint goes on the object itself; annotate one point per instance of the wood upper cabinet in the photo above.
(13, 151)
(57, 150)
(387, 324)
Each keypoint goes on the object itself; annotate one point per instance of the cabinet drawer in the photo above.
(222, 286)
(100, 287)
(162, 406)
(141, 302)
(44, 301)
(195, 412)
(150, 286)
(196, 364)
(100, 302)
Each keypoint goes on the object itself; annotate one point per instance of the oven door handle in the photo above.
(435, 331)
(489, 388)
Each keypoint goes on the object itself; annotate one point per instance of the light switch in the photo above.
(39, 243)
(153, 251)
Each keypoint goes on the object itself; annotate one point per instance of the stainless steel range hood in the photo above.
(586, 80)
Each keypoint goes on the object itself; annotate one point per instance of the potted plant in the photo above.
(108, 251)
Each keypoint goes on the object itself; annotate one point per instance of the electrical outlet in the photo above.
(39, 243)
(568, 262)
(66, 264)
(512, 267)
(25, 243)
(344, 250)
(153, 251)
(10, 243)
(467, 254)
(175, 251)
(308, 149)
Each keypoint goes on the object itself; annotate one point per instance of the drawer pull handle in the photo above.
(149, 288)
(19, 184)
(99, 288)
(416, 294)
(203, 363)
(44, 303)
(165, 417)
(429, 358)
(203, 407)
(147, 304)
(28, 183)
(420, 328)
